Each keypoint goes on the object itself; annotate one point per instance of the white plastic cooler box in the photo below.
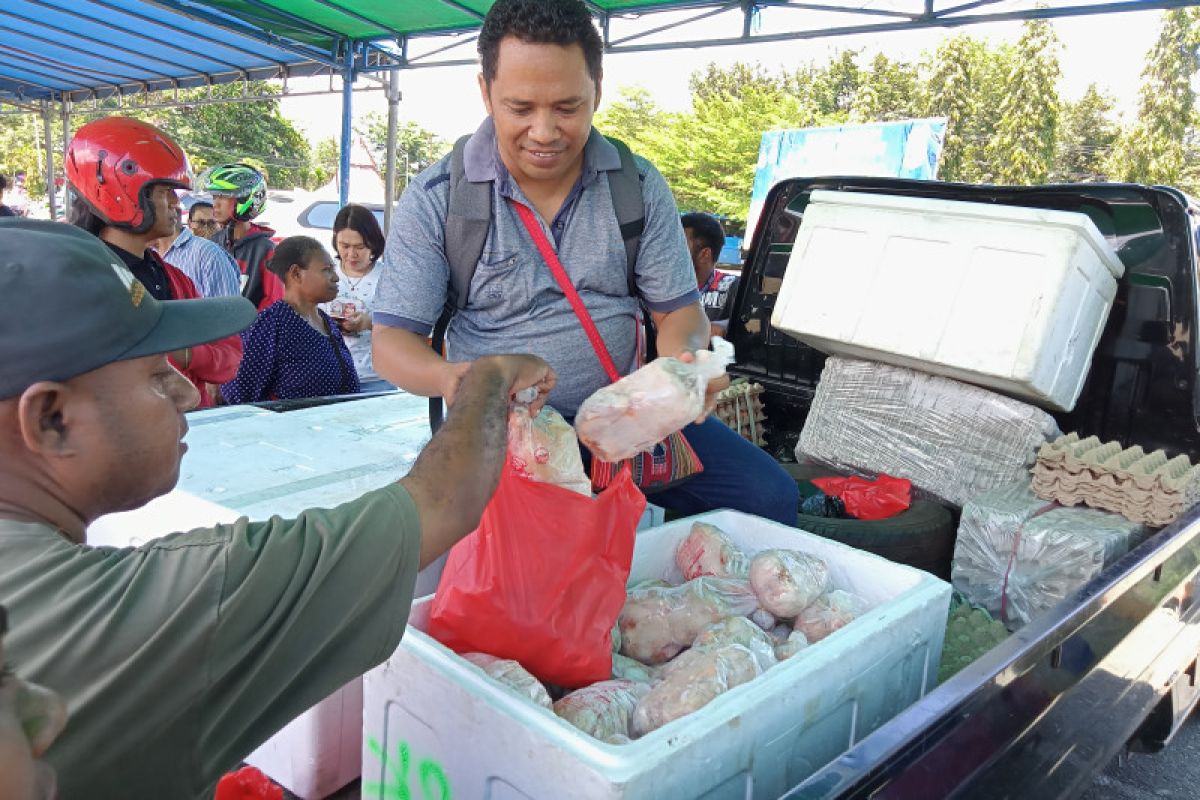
(1006, 297)
(434, 723)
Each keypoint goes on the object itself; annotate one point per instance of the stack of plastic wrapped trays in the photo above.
(970, 632)
(1018, 555)
(952, 440)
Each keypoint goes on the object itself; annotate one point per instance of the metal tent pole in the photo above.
(48, 143)
(389, 191)
(347, 117)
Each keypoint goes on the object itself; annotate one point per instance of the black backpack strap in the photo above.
(626, 189)
(468, 217)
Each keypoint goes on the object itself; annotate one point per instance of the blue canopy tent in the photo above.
(59, 52)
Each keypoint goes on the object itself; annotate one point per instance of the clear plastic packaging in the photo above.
(950, 439)
(1018, 555)
(739, 630)
(629, 669)
(657, 623)
(603, 710)
(643, 408)
(708, 550)
(795, 642)
(787, 581)
(545, 449)
(512, 675)
(691, 682)
(829, 612)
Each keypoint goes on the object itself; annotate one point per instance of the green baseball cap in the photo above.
(81, 308)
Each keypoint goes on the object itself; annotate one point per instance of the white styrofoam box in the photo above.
(319, 751)
(434, 720)
(245, 461)
(1007, 297)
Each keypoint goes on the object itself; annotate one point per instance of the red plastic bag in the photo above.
(878, 499)
(247, 783)
(542, 580)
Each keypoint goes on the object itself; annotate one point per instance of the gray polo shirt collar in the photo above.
(481, 157)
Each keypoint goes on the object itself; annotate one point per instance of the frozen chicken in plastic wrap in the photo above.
(829, 612)
(630, 669)
(691, 682)
(708, 550)
(794, 643)
(544, 448)
(739, 630)
(603, 710)
(656, 623)
(643, 408)
(512, 675)
(787, 581)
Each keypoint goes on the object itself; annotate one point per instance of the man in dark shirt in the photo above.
(705, 239)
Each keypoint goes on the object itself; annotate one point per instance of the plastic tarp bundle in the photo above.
(1018, 555)
(952, 440)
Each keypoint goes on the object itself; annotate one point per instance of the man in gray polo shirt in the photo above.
(540, 82)
(179, 657)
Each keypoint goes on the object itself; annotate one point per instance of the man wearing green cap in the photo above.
(179, 657)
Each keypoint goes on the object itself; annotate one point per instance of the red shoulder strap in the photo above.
(564, 283)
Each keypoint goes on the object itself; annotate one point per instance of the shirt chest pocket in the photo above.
(500, 288)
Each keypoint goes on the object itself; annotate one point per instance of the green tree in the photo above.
(630, 117)
(890, 90)
(416, 148)
(834, 87)
(1160, 147)
(1086, 136)
(1021, 151)
(960, 88)
(21, 150)
(708, 156)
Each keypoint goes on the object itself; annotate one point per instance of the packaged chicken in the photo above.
(787, 581)
(603, 710)
(739, 630)
(545, 449)
(691, 682)
(657, 623)
(707, 550)
(830, 612)
(643, 408)
(629, 669)
(512, 675)
(795, 642)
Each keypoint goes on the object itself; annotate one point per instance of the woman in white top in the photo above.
(358, 242)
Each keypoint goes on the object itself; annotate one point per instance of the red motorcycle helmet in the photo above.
(111, 163)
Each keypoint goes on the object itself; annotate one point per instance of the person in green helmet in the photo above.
(239, 193)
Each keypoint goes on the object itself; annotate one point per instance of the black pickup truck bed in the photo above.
(1112, 666)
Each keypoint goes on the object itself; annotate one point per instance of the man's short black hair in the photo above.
(197, 205)
(561, 22)
(706, 229)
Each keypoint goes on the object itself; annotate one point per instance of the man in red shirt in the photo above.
(239, 193)
(125, 173)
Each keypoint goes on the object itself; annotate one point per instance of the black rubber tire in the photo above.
(922, 537)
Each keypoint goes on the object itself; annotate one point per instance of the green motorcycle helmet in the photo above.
(243, 183)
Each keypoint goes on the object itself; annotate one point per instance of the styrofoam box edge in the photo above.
(1075, 221)
(897, 587)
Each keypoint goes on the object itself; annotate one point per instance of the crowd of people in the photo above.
(177, 658)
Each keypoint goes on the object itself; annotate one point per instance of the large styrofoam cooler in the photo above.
(1007, 297)
(433, 713)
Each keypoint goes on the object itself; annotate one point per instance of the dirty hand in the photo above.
(525, 372)
(715, 387)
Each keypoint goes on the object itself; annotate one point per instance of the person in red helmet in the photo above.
(124, 173)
